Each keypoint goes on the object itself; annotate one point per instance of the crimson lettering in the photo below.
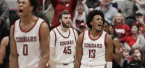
(92, 45)
(26, 39)
(66, 43)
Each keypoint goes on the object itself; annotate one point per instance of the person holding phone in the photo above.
(140, 20)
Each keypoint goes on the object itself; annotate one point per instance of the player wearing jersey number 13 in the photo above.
(29, 43)
(94, 47)
(63, 43)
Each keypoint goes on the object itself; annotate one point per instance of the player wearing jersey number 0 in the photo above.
(29, 44)
(63, 43)
(94, 47)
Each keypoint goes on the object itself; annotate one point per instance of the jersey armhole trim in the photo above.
(83, 37)
(105, 40)
(74, 34)
(55, 37)
(14, 29)
(39, 30)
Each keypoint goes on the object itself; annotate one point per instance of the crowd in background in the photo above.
(125, 23)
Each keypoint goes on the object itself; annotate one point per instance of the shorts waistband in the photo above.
(94, 65)
(63, 63)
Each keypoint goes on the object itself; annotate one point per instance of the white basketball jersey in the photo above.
(65, 46)
(94, 50)
(28, 45)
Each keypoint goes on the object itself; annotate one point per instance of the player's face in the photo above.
(137, 54)
(24, 8)
(106, 2)
(80, 8)
(105, 27)
(134, 30)
(66, 20)
(118, 18)
(97, 23)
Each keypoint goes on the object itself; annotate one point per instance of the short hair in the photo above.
(33, 3)
(91, 16)
(62, 13)
(106, 22)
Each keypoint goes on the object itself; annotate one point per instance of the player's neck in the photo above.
(63, 28)
(28, 19)
(95, 33)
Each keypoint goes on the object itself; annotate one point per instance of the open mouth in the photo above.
(99, 25)
(20, 11)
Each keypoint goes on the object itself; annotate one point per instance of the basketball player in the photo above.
(5, 52)
(94, 47)
(29, 44)
(116, 46)
(63, 43)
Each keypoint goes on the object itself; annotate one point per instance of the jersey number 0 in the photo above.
(25, 49)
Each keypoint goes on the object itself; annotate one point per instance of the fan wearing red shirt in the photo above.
(132, 39)
(121, 29)
(140, 22)
(62, 5)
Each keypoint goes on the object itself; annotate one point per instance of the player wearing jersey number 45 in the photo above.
(94, 47)
(63, 43)
(29, 43)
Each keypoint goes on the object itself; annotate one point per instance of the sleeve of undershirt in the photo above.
(52, 39)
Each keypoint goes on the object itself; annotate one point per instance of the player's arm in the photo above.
(4, 44)
(44, 44)
(79, 51)
(109, 51)
(13, 63)
(117, 56)
(52, 45)
(76, 35)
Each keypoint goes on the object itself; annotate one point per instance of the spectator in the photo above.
(140, 5)
(80, 14)
(128, 8)
(62, 5)
(83, 27)
(138, 59)
(4, 14)
(92, 4)
(108, 10)
(106, 26)
(121, 28)
(140, 21)
(126, 58)
(112, 32)
(135, 37)
(116, 47)
(114, 4)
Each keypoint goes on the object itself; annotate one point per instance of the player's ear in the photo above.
(60, 21)
(31, 8)
(91, 23)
